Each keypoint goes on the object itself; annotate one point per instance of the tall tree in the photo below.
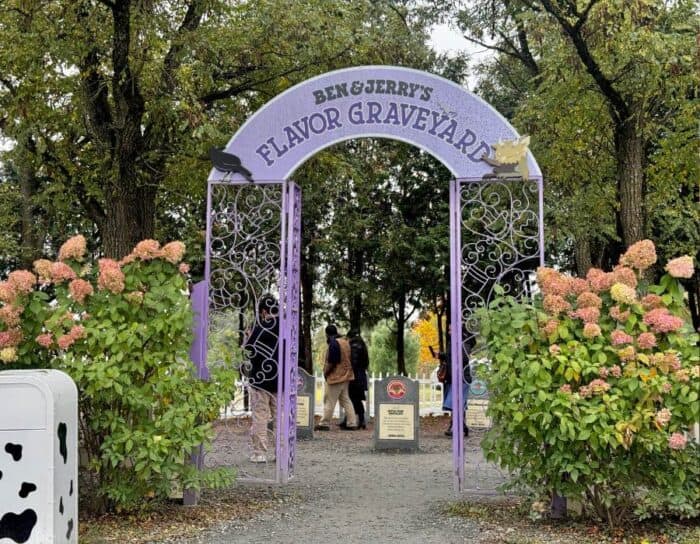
(143, 88)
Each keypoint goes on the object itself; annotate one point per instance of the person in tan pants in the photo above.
(338, 373)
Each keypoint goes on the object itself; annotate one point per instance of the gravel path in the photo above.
(345, 492)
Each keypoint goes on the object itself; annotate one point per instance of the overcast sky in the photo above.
(446, 39)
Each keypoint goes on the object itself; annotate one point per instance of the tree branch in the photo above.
(619, 108)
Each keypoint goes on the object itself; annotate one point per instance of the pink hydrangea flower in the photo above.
(640, 255)
(618, 315)
(681, 267)
(184, 268)
(623, 293)
(566, 388)
(130, 258)
(672, 360)
(551, 327)
(42, 267)
(554, 349)
(589, 314)
(77, 332)
(173, 252)
(599, 281)
(585, 391)
(649, 302)
(61, 272)
(646, 340)
(74, 248)
(588, 300)
(23, 281)
(10, 315)
(578, 285)
(147, 249)
(65, 341)
(682, 375)
(79, 290)
(7, 292)
(677, 441)
(660, 320)
(619, 337)
(10, 338)
(591, 330)
(599, 386)
(616, 371)
(603, 372)
(44, 340)
(555, 304)
(110, 278)
(625, 275)
(666, 387)
(662, 417)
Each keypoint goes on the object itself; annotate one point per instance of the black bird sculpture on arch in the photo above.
(229, 163)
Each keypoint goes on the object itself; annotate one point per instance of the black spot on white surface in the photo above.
(62, 432)
(27, 488)
(60, 506)
(0, 474)
(18, 527)
(70, 528)
(15, 450)
(70, 493)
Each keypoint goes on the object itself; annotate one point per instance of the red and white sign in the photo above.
(396, 389)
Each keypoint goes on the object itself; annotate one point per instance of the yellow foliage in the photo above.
(427, 332)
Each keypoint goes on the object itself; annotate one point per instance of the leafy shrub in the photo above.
(122, 331)
(594, 387)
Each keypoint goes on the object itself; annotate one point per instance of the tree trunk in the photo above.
(582, 253)
(306, 277)
(356, 271)
(629, 150)
(30, 242)
(129, 220)
(400, 348)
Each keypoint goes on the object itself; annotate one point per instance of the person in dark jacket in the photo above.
(261, 370)
(359, 358)
(447, 403)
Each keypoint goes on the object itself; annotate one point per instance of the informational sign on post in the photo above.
(306, 402)
(396, 409)
(476, 417)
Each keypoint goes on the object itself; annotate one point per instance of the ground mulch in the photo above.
(507, 521)
(409, 492)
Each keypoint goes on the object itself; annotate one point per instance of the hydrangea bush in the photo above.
(594, 389)
(122, 331)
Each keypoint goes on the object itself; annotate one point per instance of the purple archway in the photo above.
(254, 205)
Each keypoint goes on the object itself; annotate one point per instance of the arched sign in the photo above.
(430, 112)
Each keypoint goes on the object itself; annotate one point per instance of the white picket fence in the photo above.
(429, 396)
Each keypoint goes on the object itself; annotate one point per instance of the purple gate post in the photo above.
(198, 355)
(289, 331)
(456, 336)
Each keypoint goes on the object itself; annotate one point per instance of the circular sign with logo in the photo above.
(396, 389)
(477, 388)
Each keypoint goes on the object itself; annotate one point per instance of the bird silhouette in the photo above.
(229, 163)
